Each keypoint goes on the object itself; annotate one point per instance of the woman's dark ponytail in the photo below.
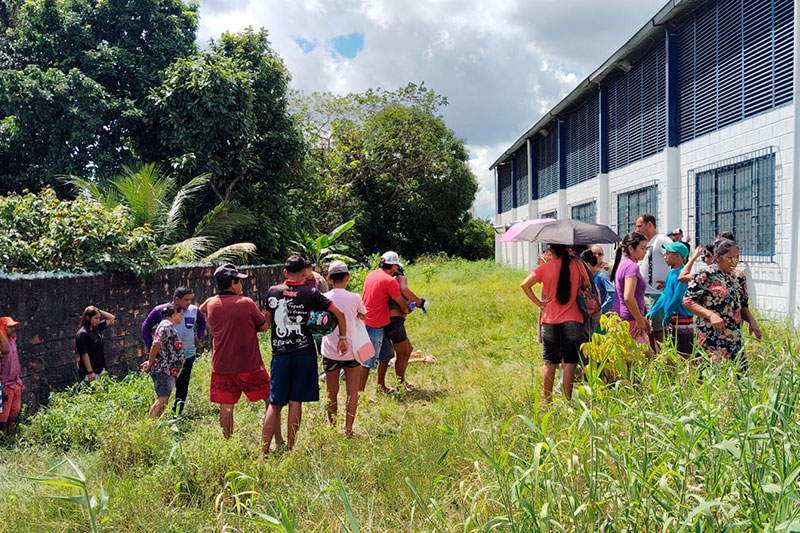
(631, 239)
(564, 287)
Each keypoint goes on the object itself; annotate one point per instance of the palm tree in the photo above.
(154, 198)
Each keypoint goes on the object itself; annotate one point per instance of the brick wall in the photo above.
(48, 309)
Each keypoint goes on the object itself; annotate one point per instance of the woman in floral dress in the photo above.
(717, 296)
(166, 357)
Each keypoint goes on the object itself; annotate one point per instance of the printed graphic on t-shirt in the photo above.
(290, 306)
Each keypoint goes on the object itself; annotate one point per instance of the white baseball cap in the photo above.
(391, 258)
(338, 267)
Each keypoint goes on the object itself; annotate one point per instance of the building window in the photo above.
(547, 164)
(631, 204)
(521, 175)
(583, 142)
(734, 61)
(637, 109)
(550, 214)
(505, 195)
(586, 212)
(738, 196)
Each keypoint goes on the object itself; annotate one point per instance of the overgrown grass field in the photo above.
(676, 448)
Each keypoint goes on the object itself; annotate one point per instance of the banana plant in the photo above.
(321, 249)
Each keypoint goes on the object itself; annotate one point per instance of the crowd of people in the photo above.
(172, 330)
(654, 286)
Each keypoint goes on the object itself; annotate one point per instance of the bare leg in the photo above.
(158, 406)
(547, 379)
(293, 423)
(332, 385)
(351, 382)
(403, 351)
(383, 366)
(271, 427)
(279, 442)
(226, 419)
(568, 375)
(362, 382)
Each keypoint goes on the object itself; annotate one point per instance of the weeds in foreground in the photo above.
(94, 507)
(675, 447)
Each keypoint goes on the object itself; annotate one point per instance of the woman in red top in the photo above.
(562, 320)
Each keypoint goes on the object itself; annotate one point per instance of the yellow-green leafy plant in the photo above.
(612, 353)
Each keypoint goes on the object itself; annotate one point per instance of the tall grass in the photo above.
(675, 448)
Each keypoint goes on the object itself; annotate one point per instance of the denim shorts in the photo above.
(384, 349)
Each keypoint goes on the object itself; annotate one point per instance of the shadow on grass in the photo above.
(418, 395)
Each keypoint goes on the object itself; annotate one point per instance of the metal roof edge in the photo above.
(664, 15)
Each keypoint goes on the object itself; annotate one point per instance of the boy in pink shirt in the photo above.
(353, 309)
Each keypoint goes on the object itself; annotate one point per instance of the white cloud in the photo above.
(501, 64)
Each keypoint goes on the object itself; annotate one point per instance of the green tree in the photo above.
(75, 74)
(154, 200)
(39, 232)
(387, 160)
(476, 239)
(225, 112)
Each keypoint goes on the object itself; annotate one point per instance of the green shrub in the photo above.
(79, 416)
(39, 232)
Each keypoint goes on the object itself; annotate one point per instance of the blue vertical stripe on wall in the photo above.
(734, 61)
(671, 43)
(534, 172)
(562, 154)
(514, 179)
(603, 129)
(547, 163)
(582, 142)
(637, 109)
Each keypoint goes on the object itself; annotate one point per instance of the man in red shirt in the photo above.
(379, 288)
(236, 365)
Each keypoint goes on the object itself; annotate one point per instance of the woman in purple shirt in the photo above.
(630, 285)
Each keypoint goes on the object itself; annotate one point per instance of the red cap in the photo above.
(8, 321)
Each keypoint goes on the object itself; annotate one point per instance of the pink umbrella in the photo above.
(511, 233)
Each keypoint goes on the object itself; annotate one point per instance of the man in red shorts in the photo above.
(236, 364)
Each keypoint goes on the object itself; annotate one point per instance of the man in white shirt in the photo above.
(654, 270)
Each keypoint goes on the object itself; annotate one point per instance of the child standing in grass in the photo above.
(677, 319)
(166, 357)
(332, 361)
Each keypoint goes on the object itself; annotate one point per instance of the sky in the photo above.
(501, 64)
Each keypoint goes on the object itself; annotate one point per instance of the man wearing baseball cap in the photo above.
(236, 365)
(379, 288)
(10, 376)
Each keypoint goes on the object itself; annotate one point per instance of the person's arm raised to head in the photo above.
(686, 273)
(109, 318)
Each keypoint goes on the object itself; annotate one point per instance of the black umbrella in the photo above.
(568, 232)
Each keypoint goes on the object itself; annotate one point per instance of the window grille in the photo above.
(504, 193)
(737, 195)
(521, 175)
(631, 204)
(586, 212)
(637, 110)
(547, 163)
(734, 61)
(583, 142)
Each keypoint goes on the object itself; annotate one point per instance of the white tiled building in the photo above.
(695, 121)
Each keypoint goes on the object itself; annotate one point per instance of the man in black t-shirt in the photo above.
(293, 369)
